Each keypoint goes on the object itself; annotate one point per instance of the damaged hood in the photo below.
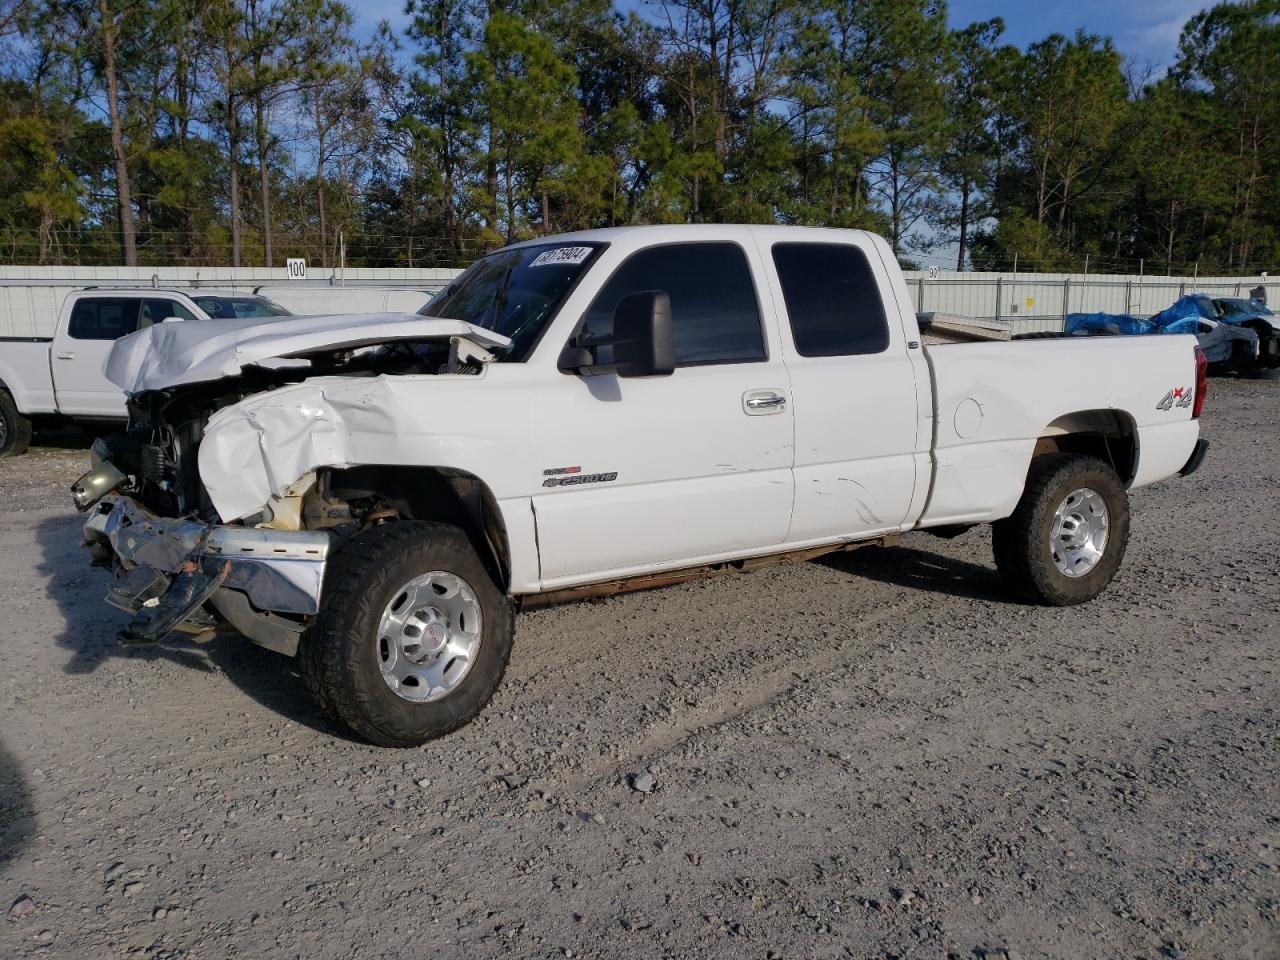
(192, 351)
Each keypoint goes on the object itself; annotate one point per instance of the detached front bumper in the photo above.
(262, 582)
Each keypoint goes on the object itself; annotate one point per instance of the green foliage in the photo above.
(213, 131)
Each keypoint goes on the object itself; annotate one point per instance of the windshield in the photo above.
(515, 292)
(228, 308)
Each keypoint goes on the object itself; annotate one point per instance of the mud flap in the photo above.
(193, 585)
(1196, 458)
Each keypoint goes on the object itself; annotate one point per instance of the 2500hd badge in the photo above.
(571, 477)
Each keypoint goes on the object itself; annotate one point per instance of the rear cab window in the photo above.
(715, 314)
(833, 301)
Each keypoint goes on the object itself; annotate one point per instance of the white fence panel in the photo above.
(1040, 302)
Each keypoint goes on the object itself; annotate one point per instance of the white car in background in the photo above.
(60, 378)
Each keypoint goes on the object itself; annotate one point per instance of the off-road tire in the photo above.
(1021, 541)
(338, 655)
(17, 428)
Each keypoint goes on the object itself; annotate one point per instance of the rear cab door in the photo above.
(859, 382)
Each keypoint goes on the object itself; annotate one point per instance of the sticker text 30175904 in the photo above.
(561, 256)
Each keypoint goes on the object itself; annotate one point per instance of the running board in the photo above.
(652, 581)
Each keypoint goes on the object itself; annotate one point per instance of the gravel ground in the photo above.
(876, 756)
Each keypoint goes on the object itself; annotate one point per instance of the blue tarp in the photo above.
(1253, 310)
(1183, 316)
(1126, 325)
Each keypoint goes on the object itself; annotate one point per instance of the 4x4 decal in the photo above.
(1177, 397)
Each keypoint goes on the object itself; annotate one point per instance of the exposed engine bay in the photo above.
(178, 564)
(157, 455)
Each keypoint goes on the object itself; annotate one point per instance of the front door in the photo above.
(646, 473)
(81, 349)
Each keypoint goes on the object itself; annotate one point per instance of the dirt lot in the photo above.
(876, 756)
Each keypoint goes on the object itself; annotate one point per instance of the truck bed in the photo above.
(993, 402)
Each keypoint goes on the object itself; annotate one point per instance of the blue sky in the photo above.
(1145, 31)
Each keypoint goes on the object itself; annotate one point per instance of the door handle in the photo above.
(65, 356)
(760, 402)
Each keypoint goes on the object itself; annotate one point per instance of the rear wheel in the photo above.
(15, 429)
(1066, 539)
(413, 638)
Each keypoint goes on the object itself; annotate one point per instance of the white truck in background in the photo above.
(61, 377)
(591, 413)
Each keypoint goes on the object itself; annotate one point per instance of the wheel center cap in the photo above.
(434, 636)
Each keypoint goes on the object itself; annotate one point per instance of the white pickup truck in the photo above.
(590, 413)
(61, 377)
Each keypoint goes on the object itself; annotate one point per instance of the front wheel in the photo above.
(1066, 538)
(413, 637)
(15, 429)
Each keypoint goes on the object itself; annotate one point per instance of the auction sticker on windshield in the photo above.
(560, 256)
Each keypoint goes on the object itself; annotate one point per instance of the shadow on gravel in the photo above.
(273, 680)
(77, 589)
(920, 570)
(89, 634)
(17, 814)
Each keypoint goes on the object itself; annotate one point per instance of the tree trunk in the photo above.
(964, 224)
(124, 191)
(233, 158)
(182, 93)
(44, 233)
(510, 198)
(1042, 191)
(452, 232)
(324, 249)
(264, 177)
(491, 183)
(260, 130)
(1245, 238)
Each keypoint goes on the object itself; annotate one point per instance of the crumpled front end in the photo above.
(213, 507)
(181, 574)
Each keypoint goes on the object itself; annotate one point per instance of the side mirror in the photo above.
(642, 341)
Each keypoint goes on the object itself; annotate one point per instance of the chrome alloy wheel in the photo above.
(429, 636)
(1078, 536)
